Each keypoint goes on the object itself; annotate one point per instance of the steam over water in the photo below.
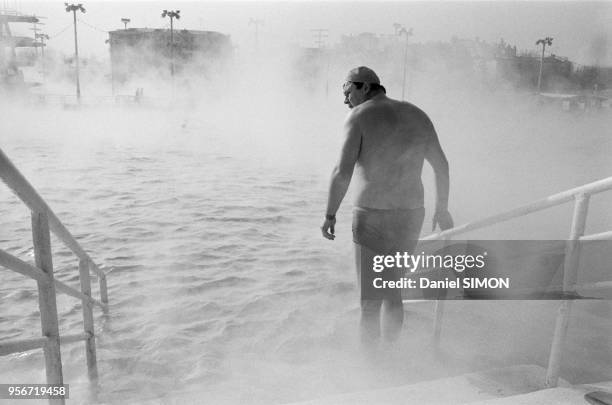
(222, 288)
(221, 284)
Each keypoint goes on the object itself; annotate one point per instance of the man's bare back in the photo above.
(385, 143)
(395, 139)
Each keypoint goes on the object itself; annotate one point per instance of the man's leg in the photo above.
(403, 229)
(370, 321)
(370, 307)
(393, 319)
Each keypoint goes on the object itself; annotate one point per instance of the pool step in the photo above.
(481, 387)
(556, 396)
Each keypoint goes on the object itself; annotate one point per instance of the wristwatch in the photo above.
(330, 217)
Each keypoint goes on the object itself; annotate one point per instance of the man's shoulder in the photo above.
(409, 108)
(373, 105)
(413, 112)
(405, 108)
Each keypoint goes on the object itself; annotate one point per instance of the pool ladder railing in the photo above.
(45, 221)
(581, 197)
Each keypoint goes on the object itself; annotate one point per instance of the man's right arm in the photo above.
(435, 156)
(342, 173)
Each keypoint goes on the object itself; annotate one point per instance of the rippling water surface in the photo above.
(221, 286)
(212, 242)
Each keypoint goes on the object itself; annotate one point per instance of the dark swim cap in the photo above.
(362, 74)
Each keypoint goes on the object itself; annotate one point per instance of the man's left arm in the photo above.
(435, 156)
(341, 175)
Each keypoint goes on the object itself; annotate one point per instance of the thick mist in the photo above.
(224, 171)
(579, 28)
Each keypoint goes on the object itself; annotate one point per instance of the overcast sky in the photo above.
(581, 30)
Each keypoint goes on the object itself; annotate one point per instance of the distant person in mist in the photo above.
(385, 143)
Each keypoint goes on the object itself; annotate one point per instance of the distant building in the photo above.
(310, 66)
(11, 75)
(523, 71)
(365, 41)
(135, 51)
(594, 78)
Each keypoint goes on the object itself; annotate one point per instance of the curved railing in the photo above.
(45, 221)
(581, 197)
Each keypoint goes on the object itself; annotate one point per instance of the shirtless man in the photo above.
(385, 142)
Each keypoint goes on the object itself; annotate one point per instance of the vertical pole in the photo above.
(554, 360)
(570, 272)
(572, 249)
(35, 29)
(541, 66)
(88, 321)
(76, 56)
(112, 79)
(438, 313)
(42, 50)
(256, 36)
(171, 46)
(103, 290)
(327, 76)
(405, 68)
(46, 301)
(113, 59)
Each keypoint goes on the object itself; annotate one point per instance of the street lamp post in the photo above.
(256, 22)
(544, 42)
(35, 29)
(396, 28)
(172, 14)
(125, 22)
(42, 38)
(74, 8)
(407, 33)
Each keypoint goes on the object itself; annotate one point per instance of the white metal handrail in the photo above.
(44, 221)
(539, 205)
(581, 196)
